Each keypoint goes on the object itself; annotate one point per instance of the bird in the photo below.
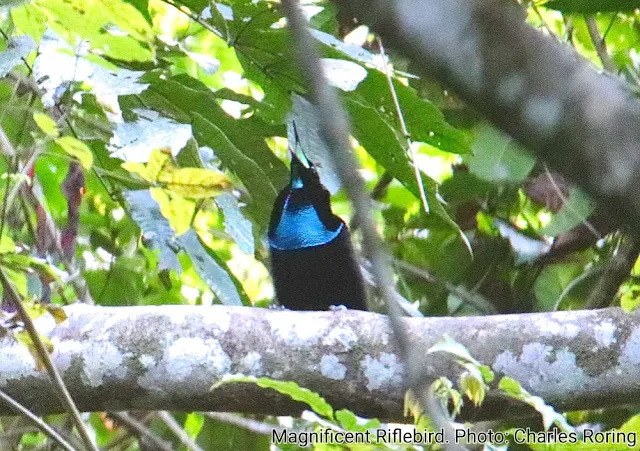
(313, 263)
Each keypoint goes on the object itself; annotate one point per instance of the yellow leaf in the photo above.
(7, 246)
(136, 168)
(195, 183)
(24, 339)
(46, 124)
(78, 149)
(34, 309)
(57, 312)
(159, 161)
(175, 208)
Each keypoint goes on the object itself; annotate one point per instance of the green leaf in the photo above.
(76, 149)
(551, 283)
(114, 27)
(473, 386)
(497, 158)
(257, 182)
(513, 389)
(193, 424)
(385, 145)
(143, 7)
(592, 6)
(349, 421)
(424, 121)
(316, 402)
(213, 270)
(7, 246)
(46, 124)
(575, 211)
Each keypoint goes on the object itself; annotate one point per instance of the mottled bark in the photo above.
(582, 122)
(168, 357)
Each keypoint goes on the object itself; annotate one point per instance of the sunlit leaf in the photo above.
(575, 211)
(113, 27)
(46, 124)
(195, 183)
(343, 74)
(592, 6)
(57, 65)
(7, 246)
(316, 402)
(193, 424)
(497, 158)
(135, 141)
(76, 149)
(175, 208)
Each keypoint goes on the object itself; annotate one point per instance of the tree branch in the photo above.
(168, 357)
(582, 122)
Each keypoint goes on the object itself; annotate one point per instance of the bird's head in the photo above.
(302, 215)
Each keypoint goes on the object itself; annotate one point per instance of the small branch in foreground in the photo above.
(178, 431)
(61, 391)
(403, 127)
(38, 422)
(142, 431)
(615, 273)
(600, 45)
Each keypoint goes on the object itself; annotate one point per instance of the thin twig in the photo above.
(42, 352)
(403, 127)
(466, 296)
(558, 191)
(615, 272)
(379, 191)
(600, 45)
(178, 431)
(125, 433)
(37, 422)
(142, 431)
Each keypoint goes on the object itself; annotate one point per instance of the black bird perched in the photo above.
(312, 260)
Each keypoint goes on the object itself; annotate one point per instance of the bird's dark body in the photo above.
(312, 260)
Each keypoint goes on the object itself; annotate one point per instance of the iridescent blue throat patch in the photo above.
(300, 227)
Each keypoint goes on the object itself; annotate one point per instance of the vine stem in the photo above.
(403, 127)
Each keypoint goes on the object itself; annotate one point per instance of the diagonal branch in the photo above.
(61, 390)
(582, 122)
